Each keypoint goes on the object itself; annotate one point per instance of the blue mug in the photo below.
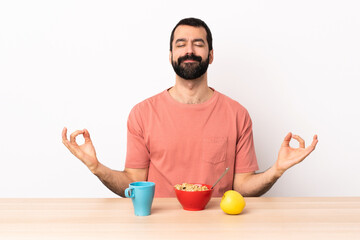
(142, 195)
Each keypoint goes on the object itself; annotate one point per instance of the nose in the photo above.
(189, 49)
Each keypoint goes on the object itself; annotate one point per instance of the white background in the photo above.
(84, 64)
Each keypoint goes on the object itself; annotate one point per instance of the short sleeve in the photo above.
(137, 154)
(245, 151)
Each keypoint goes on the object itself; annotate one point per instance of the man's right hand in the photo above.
(85, 152)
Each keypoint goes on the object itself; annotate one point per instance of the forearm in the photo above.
(258, 184)
(116, 181)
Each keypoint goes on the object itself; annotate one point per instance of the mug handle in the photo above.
(132, 194)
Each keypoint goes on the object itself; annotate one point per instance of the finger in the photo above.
(315, 141)
(64, 137)
(311, 148)
(87, 135)
(287, 140)
(300, 140)
(74, 135)
(64, 132)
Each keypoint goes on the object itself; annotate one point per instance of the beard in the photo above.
(192, 70)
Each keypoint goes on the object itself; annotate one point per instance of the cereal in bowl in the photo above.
(191, 187)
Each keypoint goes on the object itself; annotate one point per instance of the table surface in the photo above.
(113, 218)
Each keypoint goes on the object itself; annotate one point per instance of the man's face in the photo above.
(190, 56)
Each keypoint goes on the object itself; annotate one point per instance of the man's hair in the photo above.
(195, 22)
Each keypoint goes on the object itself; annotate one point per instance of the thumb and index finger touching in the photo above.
(289, 136)
(73, 136)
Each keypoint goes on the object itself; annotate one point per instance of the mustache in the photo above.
(189, 57)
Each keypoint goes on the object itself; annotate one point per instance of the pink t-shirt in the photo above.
(191, 143)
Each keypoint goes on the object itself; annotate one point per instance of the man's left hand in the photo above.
(289, 156)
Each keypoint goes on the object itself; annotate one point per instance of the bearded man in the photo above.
(190, 132)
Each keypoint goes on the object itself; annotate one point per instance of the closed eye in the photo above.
(199, 42)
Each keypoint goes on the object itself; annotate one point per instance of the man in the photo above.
(190, 132)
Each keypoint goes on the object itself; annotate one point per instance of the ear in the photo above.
(170, 53)
(211, 56)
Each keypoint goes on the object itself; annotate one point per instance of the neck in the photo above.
(191, 91)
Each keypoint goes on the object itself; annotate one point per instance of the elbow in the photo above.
(241, 190)
(247, 193)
